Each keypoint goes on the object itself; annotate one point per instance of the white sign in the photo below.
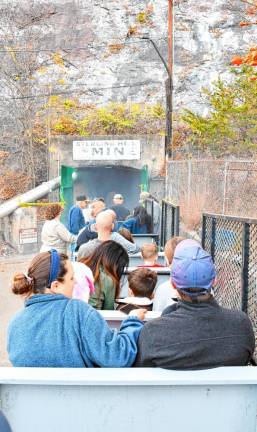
(28, 235)
(106, 150)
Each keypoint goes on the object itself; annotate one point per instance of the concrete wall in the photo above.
(152, 154)
(24, 232)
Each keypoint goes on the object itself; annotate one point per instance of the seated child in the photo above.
(141, 284)
(149, 252)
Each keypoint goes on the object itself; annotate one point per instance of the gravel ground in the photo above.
(9, 303)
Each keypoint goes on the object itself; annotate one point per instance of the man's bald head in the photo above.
(104, 221)
(111, 213)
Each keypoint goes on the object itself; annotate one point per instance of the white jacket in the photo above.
(55, 236)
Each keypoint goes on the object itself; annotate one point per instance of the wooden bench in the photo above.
(139, 400)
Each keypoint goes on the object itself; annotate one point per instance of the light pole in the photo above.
(168, 83)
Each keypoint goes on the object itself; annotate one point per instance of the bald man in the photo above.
(104, 225)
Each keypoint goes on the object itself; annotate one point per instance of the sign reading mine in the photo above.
(106, 150)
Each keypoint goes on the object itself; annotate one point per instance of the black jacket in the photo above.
(121, 212)
(85, 236)
(196, 336)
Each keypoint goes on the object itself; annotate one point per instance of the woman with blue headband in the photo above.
(54, 330)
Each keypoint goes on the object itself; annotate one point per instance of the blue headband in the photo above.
(54, 266)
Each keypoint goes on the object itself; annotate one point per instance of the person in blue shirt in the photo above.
(76, 219)
(89, 232)
(140, 222)
(54, 330)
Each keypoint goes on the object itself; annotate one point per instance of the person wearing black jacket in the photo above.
(195, 333)
(121, 211)
(89, 232)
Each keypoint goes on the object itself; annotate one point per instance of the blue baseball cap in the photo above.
(192, 267)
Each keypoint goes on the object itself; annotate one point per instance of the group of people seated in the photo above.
(61, 326)
(90, 223)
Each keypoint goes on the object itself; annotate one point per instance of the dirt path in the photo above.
(9, 303)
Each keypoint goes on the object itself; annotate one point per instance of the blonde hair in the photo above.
(149, 250)
(170, 247)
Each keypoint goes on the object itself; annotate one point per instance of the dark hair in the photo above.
(143, 218)
(52, 211)
(170, 247)
(112, 258)
(38, 274)
(126, 234)
(142, 282)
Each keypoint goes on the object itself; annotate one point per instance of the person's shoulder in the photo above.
(236, 315)
(90, 243)
(78, 307)
(117, 237)
(169, 309)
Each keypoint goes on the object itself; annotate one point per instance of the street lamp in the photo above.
(168, 92)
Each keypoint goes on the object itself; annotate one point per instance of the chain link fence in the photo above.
(216, 186)
(232, 242)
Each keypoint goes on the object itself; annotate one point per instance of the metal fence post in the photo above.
(245, 265)
(213, 238)
(203, 230)
(177, 216)
(162, 225)
(165, 227)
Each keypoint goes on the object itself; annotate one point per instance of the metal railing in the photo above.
(232, 243)
(169, 221)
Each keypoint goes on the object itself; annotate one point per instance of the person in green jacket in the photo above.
(107, 263)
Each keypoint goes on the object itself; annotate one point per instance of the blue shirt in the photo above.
(76, 220)
(55, 331)
(132, 224)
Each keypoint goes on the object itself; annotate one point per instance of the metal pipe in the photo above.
(11, 205)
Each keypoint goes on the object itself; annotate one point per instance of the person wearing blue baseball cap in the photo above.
(195, 333)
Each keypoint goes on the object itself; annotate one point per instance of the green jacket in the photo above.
(104, 295)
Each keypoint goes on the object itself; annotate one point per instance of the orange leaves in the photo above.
(251, 10)
(244, 23)
(247, 23)
(250, 59)
(236, 61)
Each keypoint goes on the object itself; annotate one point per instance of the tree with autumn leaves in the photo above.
(231, 125)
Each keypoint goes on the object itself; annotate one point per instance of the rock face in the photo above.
(114, 64)
(207, 35)
(105, 59)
